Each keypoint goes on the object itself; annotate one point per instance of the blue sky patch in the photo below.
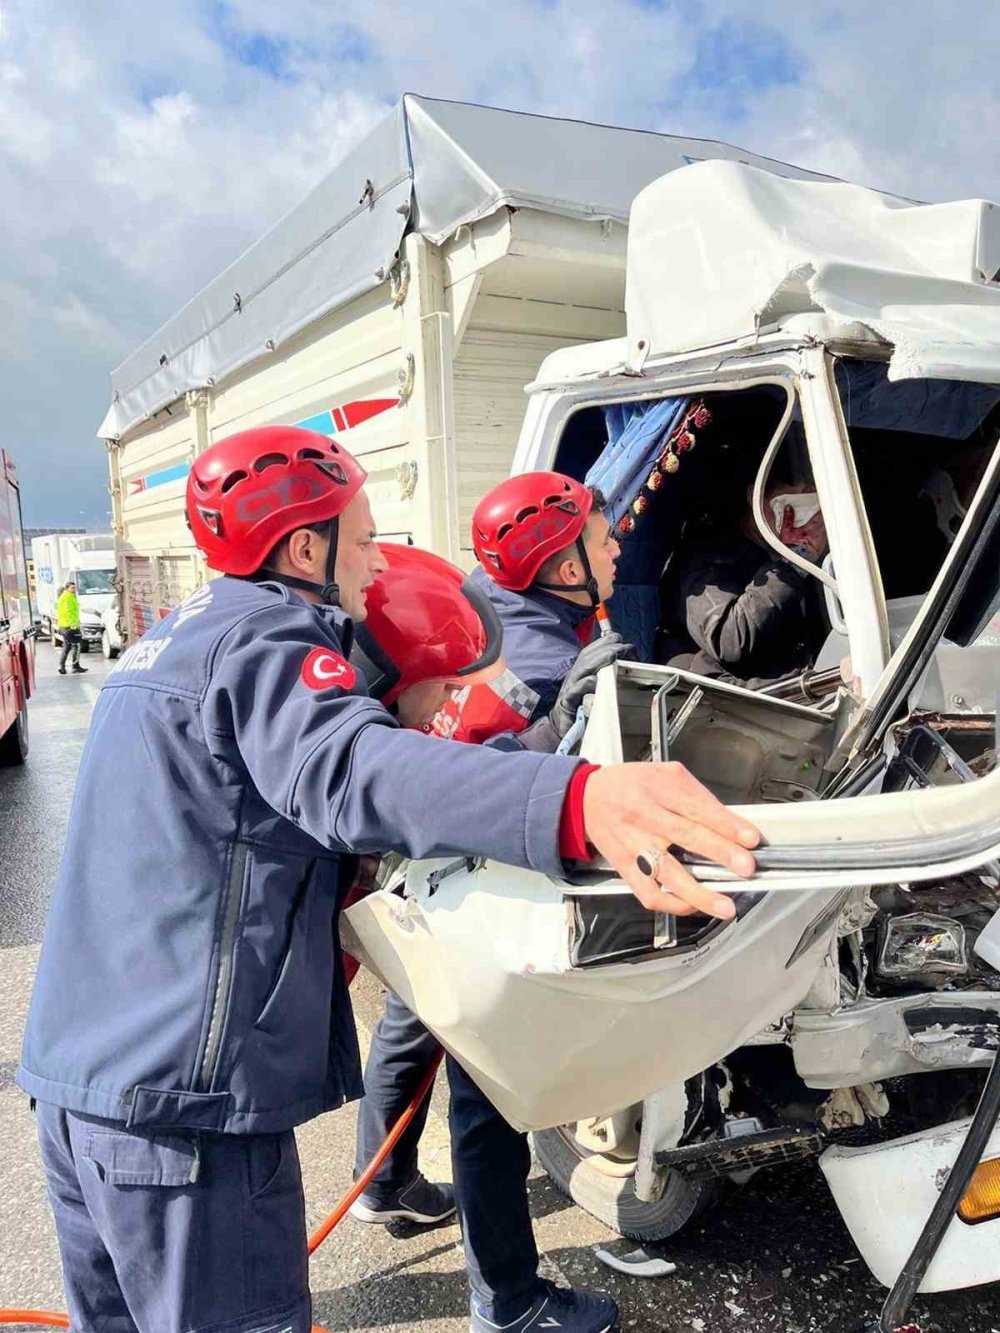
(343, 44)
(149, 90)
(256, 50)
(735, 60)
(352, 46)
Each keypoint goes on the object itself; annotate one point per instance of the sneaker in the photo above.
(555, 1308)
(421, 1201)
(79, 671)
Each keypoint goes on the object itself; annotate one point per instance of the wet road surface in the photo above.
(773, 1258)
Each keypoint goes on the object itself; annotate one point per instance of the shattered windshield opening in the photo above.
(920, 448)
(926, 452)
(697, 585)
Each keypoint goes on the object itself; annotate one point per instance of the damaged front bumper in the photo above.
(900, 1198)
(885, 1194)
(907, 1034)
(490, 959)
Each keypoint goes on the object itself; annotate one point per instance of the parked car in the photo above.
(112, 635)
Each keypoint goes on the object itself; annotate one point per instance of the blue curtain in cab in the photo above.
(637, 433)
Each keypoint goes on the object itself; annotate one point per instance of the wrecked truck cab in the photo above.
(854, 338)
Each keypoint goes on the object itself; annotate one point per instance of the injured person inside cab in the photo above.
(809, 526)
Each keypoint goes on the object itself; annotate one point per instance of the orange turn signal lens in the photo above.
(981, 1201)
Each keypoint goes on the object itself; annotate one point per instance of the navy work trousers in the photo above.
(490, 1160)
(176, 1232)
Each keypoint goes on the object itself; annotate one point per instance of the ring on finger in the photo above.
(649, 860)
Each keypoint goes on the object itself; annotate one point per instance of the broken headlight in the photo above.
(923, 948)
(616, 928)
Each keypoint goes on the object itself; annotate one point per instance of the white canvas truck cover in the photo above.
(720, 250)
(430, 164)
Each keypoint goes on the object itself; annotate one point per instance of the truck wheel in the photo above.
(109, 653)
(605, 1188)
(14, 741)
(84, 645)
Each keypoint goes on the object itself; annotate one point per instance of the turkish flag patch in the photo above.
(324, 669)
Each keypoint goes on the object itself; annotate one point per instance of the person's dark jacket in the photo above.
(731, 608)
(542, 637)
(191, 974)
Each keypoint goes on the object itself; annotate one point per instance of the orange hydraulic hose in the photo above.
(48, 1319)
(34, 1318)
(392, 1138)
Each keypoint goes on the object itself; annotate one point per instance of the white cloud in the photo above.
(77, 318)
(145, 146)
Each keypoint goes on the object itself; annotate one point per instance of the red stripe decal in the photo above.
(366, 408)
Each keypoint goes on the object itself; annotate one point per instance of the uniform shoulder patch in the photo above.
(324, 669)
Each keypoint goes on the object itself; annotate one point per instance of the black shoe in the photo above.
(555, 1307)
(62, 671)
(421, 1202)
(79, 671)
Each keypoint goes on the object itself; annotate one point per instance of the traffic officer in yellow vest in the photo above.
(68, 624)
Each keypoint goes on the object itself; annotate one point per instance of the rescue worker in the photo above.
(547, 558)
(190, 1005)
(429, 650)
(68, 622)
(732, 607)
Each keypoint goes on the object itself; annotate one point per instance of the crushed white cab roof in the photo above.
(722, 250)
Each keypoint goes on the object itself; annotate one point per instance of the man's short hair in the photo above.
(322, 529)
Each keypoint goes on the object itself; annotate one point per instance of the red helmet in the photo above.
(425, 620)
(249, 490)
(519, 524)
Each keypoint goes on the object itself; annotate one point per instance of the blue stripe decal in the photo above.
(322, 423)
(167, 474)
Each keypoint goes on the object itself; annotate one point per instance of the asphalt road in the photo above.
(774, 1258)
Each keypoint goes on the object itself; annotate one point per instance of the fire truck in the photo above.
(17, 642)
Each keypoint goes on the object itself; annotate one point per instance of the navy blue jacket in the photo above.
(541, 637)
(191, 972)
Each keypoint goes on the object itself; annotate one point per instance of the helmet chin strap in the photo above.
(589, 587)
(328, 591)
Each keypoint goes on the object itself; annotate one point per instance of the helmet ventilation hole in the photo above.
(232, 479)
(269, 460)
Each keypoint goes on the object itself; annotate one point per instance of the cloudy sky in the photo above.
(143, 146)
